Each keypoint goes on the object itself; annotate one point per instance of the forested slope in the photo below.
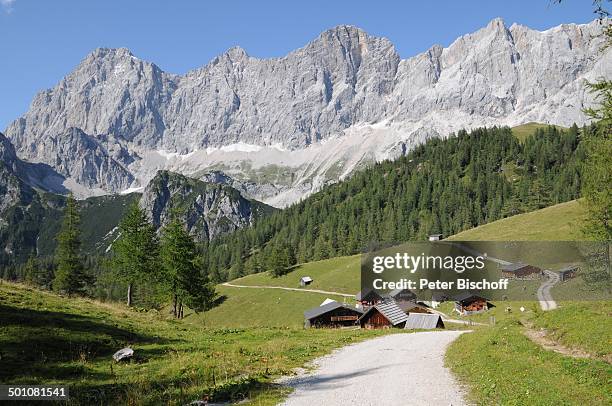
(443, 186)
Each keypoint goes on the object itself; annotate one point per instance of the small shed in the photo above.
(305, 280)
(420, 321)
(403, 295)
(383, 315)
(467, 303)
(435, 237)
(333, 314)
(568, 272)
(520, 270)
(368, 297)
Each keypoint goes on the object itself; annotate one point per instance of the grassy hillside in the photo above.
(242, 307)
(339, 274)
(584, 325)
(525, 130)
(45, 338)
(561, 222)
(500, 365)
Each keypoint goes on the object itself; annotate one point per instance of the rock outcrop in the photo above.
(207, 209)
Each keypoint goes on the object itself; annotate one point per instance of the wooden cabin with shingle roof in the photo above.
(383, 315)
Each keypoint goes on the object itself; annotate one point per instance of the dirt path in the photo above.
(544, 296)
(325, 292)
(541, 338)
(398, 369)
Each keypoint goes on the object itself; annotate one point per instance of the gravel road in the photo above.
(546, 300)
(325, 292)
(398, 369)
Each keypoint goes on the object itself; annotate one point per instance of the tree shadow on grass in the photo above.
(40, 345)
(218, 301)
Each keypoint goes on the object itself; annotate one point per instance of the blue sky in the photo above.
(42, 40)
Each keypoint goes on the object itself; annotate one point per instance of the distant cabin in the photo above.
(420, 321)
(468, 303)
(383, 315)
(568, 272)
(368, 297)
(435, 237)
(403, 295)
(305, 280)
(520, 271)
(332, 315)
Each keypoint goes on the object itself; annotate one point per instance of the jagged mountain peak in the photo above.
(241, 113)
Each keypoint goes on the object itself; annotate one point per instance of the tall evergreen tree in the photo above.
(135, 252)
(70, 276)
(183, 278)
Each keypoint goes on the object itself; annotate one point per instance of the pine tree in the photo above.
(70, 276)
(135, 253)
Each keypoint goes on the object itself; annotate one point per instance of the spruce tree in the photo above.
(278, 261)
(70, 276)
(135, 252)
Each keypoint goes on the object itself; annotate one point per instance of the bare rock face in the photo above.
(12, 189)
(85, 159)
(115, 120)
(207, 209)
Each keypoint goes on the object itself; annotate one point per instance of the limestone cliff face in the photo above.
(207, 209)
(104, 121)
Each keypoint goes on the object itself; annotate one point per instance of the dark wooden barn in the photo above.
(468, 303)
(383, 315)
(521, 271)
(568, 272)
(333, 314)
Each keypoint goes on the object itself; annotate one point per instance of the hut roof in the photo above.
(390, 310)
(408, 306)
(362, 294)
(568, 268)
(514, 267)
(396, 292)
(306, 279)
(326, 301)
(463, 296)
(317, 311)
(423, 321)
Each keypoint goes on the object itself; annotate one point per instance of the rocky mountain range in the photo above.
(280, 128)
(30, 217)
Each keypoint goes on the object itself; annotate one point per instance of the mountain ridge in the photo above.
(345, 91)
